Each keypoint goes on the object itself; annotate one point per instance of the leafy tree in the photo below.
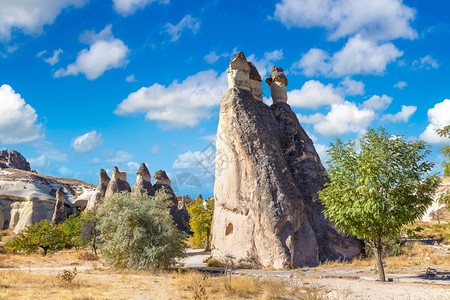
(45, 235)
(89, 231)
(72, 229)
(201, 212)
(445, 132)
(138, 232)
(374, 191)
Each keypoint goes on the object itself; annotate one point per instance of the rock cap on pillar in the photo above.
(143, 183)
(161, 176)
(118, 183)
(277, 83)
(238, 72)
(255, 82)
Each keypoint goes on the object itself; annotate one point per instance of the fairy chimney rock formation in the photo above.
(60, 212)
(143, 183)
(239, 72)
(255, 82)
(118, 183)
(100, 191)
(266, 211)
(161, 177)
(277, 82)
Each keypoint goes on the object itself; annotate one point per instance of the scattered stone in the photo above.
(118, 183)
(59, 215)
(143, 183)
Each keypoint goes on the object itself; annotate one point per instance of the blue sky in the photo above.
(89, 84)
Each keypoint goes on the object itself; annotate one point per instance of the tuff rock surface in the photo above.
(118, 183)
(267, 211)
(100, 191)
(143, 183)
(14, 159)
(27, 198)
(60, 212)
(162, 184)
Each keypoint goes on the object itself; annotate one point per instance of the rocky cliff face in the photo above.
(267, 211)
(14, 160)
(27, 198)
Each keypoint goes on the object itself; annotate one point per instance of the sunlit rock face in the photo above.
(118, 183)
(268, 173)
(27, 198)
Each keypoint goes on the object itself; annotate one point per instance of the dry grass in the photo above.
(36, 260)
(200, 287)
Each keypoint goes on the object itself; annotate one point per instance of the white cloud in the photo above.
(378, 103)
(155, 149)
(48, 154)
(400, 85)
(264, 64)
(130, 78)
(129, 7)
(358, 56)
(344, 118)
(313, 63)
(30, 17)
(438, 116)
(66, 172)
(105, 53)
(195, 160)
(117, 156)
(94, 161)
(188, 22)
(87, 142)
(314, 94)
(310, 119)
(402, 116)
(53, 60)
(178, 104)
(18, 121)
(377, 20)
(213, 57)
(352, 87)
(426, 62)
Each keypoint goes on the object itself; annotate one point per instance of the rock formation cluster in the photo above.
(267, 212)
(118, 183)
(13, 159)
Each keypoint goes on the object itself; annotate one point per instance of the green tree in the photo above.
(45, 235)
(137, 231)
(89, 232)
(372, 192)
(72, 229)
(445, 132)
(201, 212)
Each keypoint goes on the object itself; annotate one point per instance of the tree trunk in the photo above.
(45, 251)
(208, 244)
(378, 253)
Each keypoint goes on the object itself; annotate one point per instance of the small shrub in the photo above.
(67, 276)
(88, 256)
(212, 262)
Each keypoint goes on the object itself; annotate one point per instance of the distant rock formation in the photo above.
(59, 215)
(143, 183)
(27, 198)
(15, 160)
(267, 211)
(163, 184)
(118, 183)
(100, 191)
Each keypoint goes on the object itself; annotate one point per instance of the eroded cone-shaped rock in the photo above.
(118, 183)
(60, 212)
(163, 184)
(268, 173)
(143, 183)
(100, 191)
(310, 177)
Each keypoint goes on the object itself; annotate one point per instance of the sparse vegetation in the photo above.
(201, 212)
(373, 192)
(67, 276)
(137, 232)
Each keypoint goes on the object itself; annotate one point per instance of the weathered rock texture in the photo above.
(143, 183)
(267, 211)
(60, 212)
(27, 198)
(118, 183)
(178, 215)
(100, 191)
(15, 160)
